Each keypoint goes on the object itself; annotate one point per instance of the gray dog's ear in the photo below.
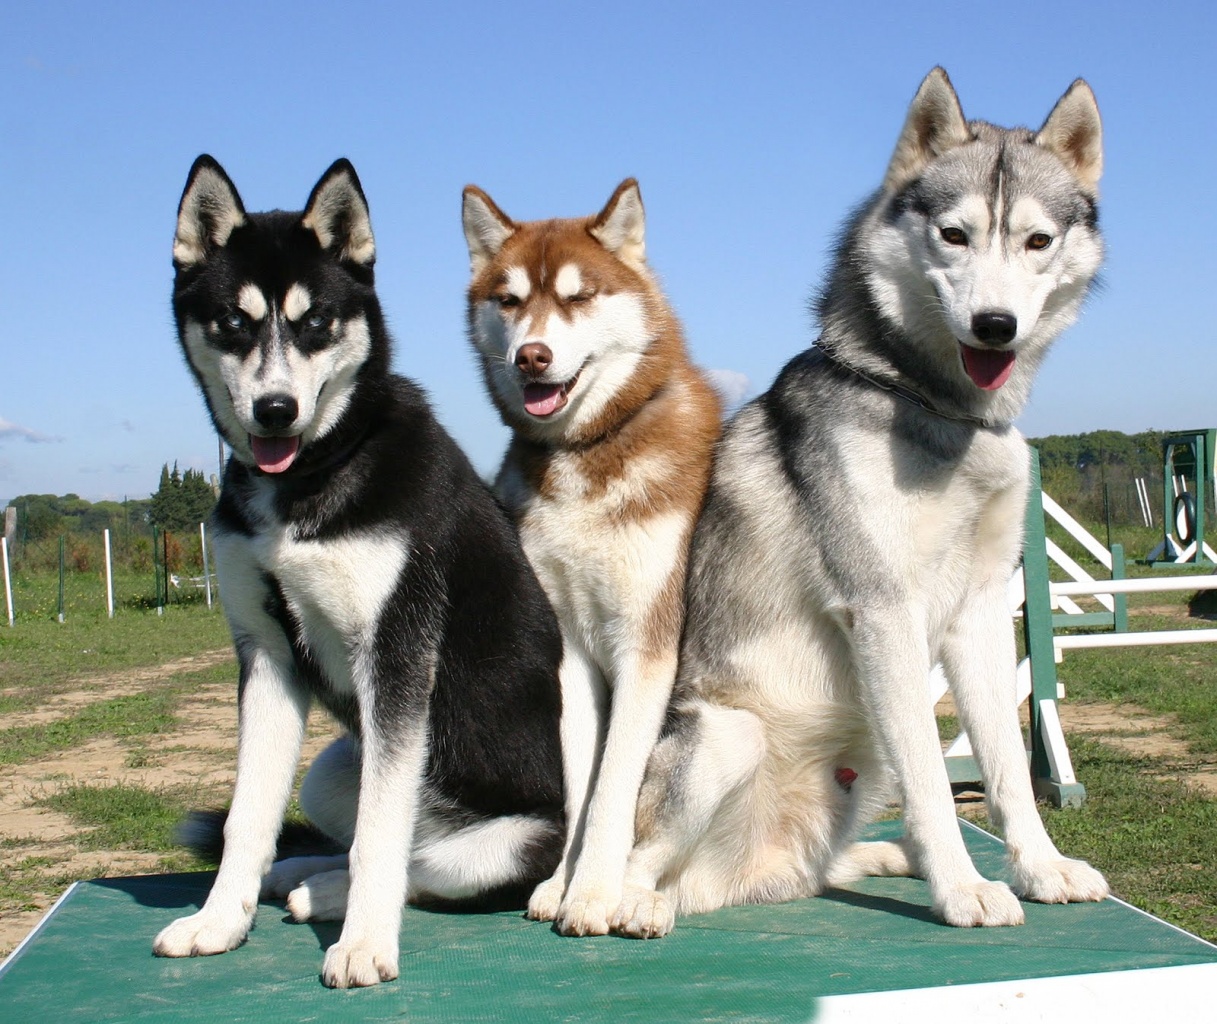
(486, 227)
(934, 124)
(1074, 132)
(208, 214)
(337, 213)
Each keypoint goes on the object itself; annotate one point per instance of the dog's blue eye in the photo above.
(953, 236)
(233, 321)
(316, 321)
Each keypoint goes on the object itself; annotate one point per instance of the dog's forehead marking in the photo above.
(518, 283)
(1027, 214)
(252, 302)
(568, 281)
(296, 302)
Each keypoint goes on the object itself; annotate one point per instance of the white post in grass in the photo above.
(206, 571)
(8, 585)
(109, 577)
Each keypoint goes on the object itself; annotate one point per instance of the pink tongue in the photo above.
(274, 454)
(542, 399)
(988, 368)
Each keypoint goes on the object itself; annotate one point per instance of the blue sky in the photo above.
(752, 128)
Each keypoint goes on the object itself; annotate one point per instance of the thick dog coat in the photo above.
(363, 565)
(863, 521)
(613, 432)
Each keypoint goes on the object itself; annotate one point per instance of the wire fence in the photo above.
(66, 576)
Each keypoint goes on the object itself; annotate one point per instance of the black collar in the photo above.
(899, 390)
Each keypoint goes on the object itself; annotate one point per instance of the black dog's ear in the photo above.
(337, 213)
(207, 215)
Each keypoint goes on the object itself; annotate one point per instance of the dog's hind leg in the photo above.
(708, 753)
(979, 659)
(272, 714)
(329, 796)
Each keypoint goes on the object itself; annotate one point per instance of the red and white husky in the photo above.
(613, 436)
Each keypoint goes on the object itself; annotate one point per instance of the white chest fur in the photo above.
(336, 589)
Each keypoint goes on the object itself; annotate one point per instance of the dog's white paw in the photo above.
(359, 964)
(980, 905)
(643, 914)
(870, 860)
(586, 912)
(285, 875)
(322, 897)
(545, 900)
(1059, 881)
(203, 934)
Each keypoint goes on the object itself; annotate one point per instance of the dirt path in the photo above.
(200, 753)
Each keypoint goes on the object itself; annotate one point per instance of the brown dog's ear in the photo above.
(621, 226)
(933, 125)
(208, 214)
(1074, 132)
(486, 227)
(337, 213)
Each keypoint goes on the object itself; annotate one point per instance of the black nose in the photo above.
(996, 328)
(276, 412)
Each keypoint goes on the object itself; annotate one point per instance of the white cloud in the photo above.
(11, 431)
(732, 387)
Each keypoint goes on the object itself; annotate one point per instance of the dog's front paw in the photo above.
(980, 905)
(1059, 881)
(546, 899)
(322, 897)
(643, 914)
(359, 964)
(203, 934)
(586, 912)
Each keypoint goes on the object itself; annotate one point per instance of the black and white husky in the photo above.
(364, 565)
(863, 520)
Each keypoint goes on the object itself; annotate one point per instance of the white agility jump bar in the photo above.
(1146, 586)
(1166, 636)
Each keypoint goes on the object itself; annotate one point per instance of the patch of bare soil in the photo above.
(201, 754)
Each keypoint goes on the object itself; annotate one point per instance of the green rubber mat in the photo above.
(91, 959)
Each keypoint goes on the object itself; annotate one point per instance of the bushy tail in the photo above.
(203, 834)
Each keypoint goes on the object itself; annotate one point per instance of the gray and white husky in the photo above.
(863, 520)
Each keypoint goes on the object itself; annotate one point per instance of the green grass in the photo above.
(124, 817)
(1154, 838)
(40, 657)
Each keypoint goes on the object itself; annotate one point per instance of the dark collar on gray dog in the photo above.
(899, 390)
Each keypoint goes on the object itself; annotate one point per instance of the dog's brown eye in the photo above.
(508, 301)
(581, 297)
(1039, 241)
(953, 236)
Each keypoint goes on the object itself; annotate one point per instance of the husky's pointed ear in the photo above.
(934, 124)
(486, 227)
(621, 226)
(1074, 132)
(209, 212)
(337, 213)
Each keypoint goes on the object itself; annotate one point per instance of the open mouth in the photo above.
(274, 454)
(987, 368)
(542, 400)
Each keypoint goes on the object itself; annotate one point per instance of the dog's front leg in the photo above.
(979, 659)
(584, 710)
(891, 654)
(272, 713)
(639, 698)
(391, 776)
